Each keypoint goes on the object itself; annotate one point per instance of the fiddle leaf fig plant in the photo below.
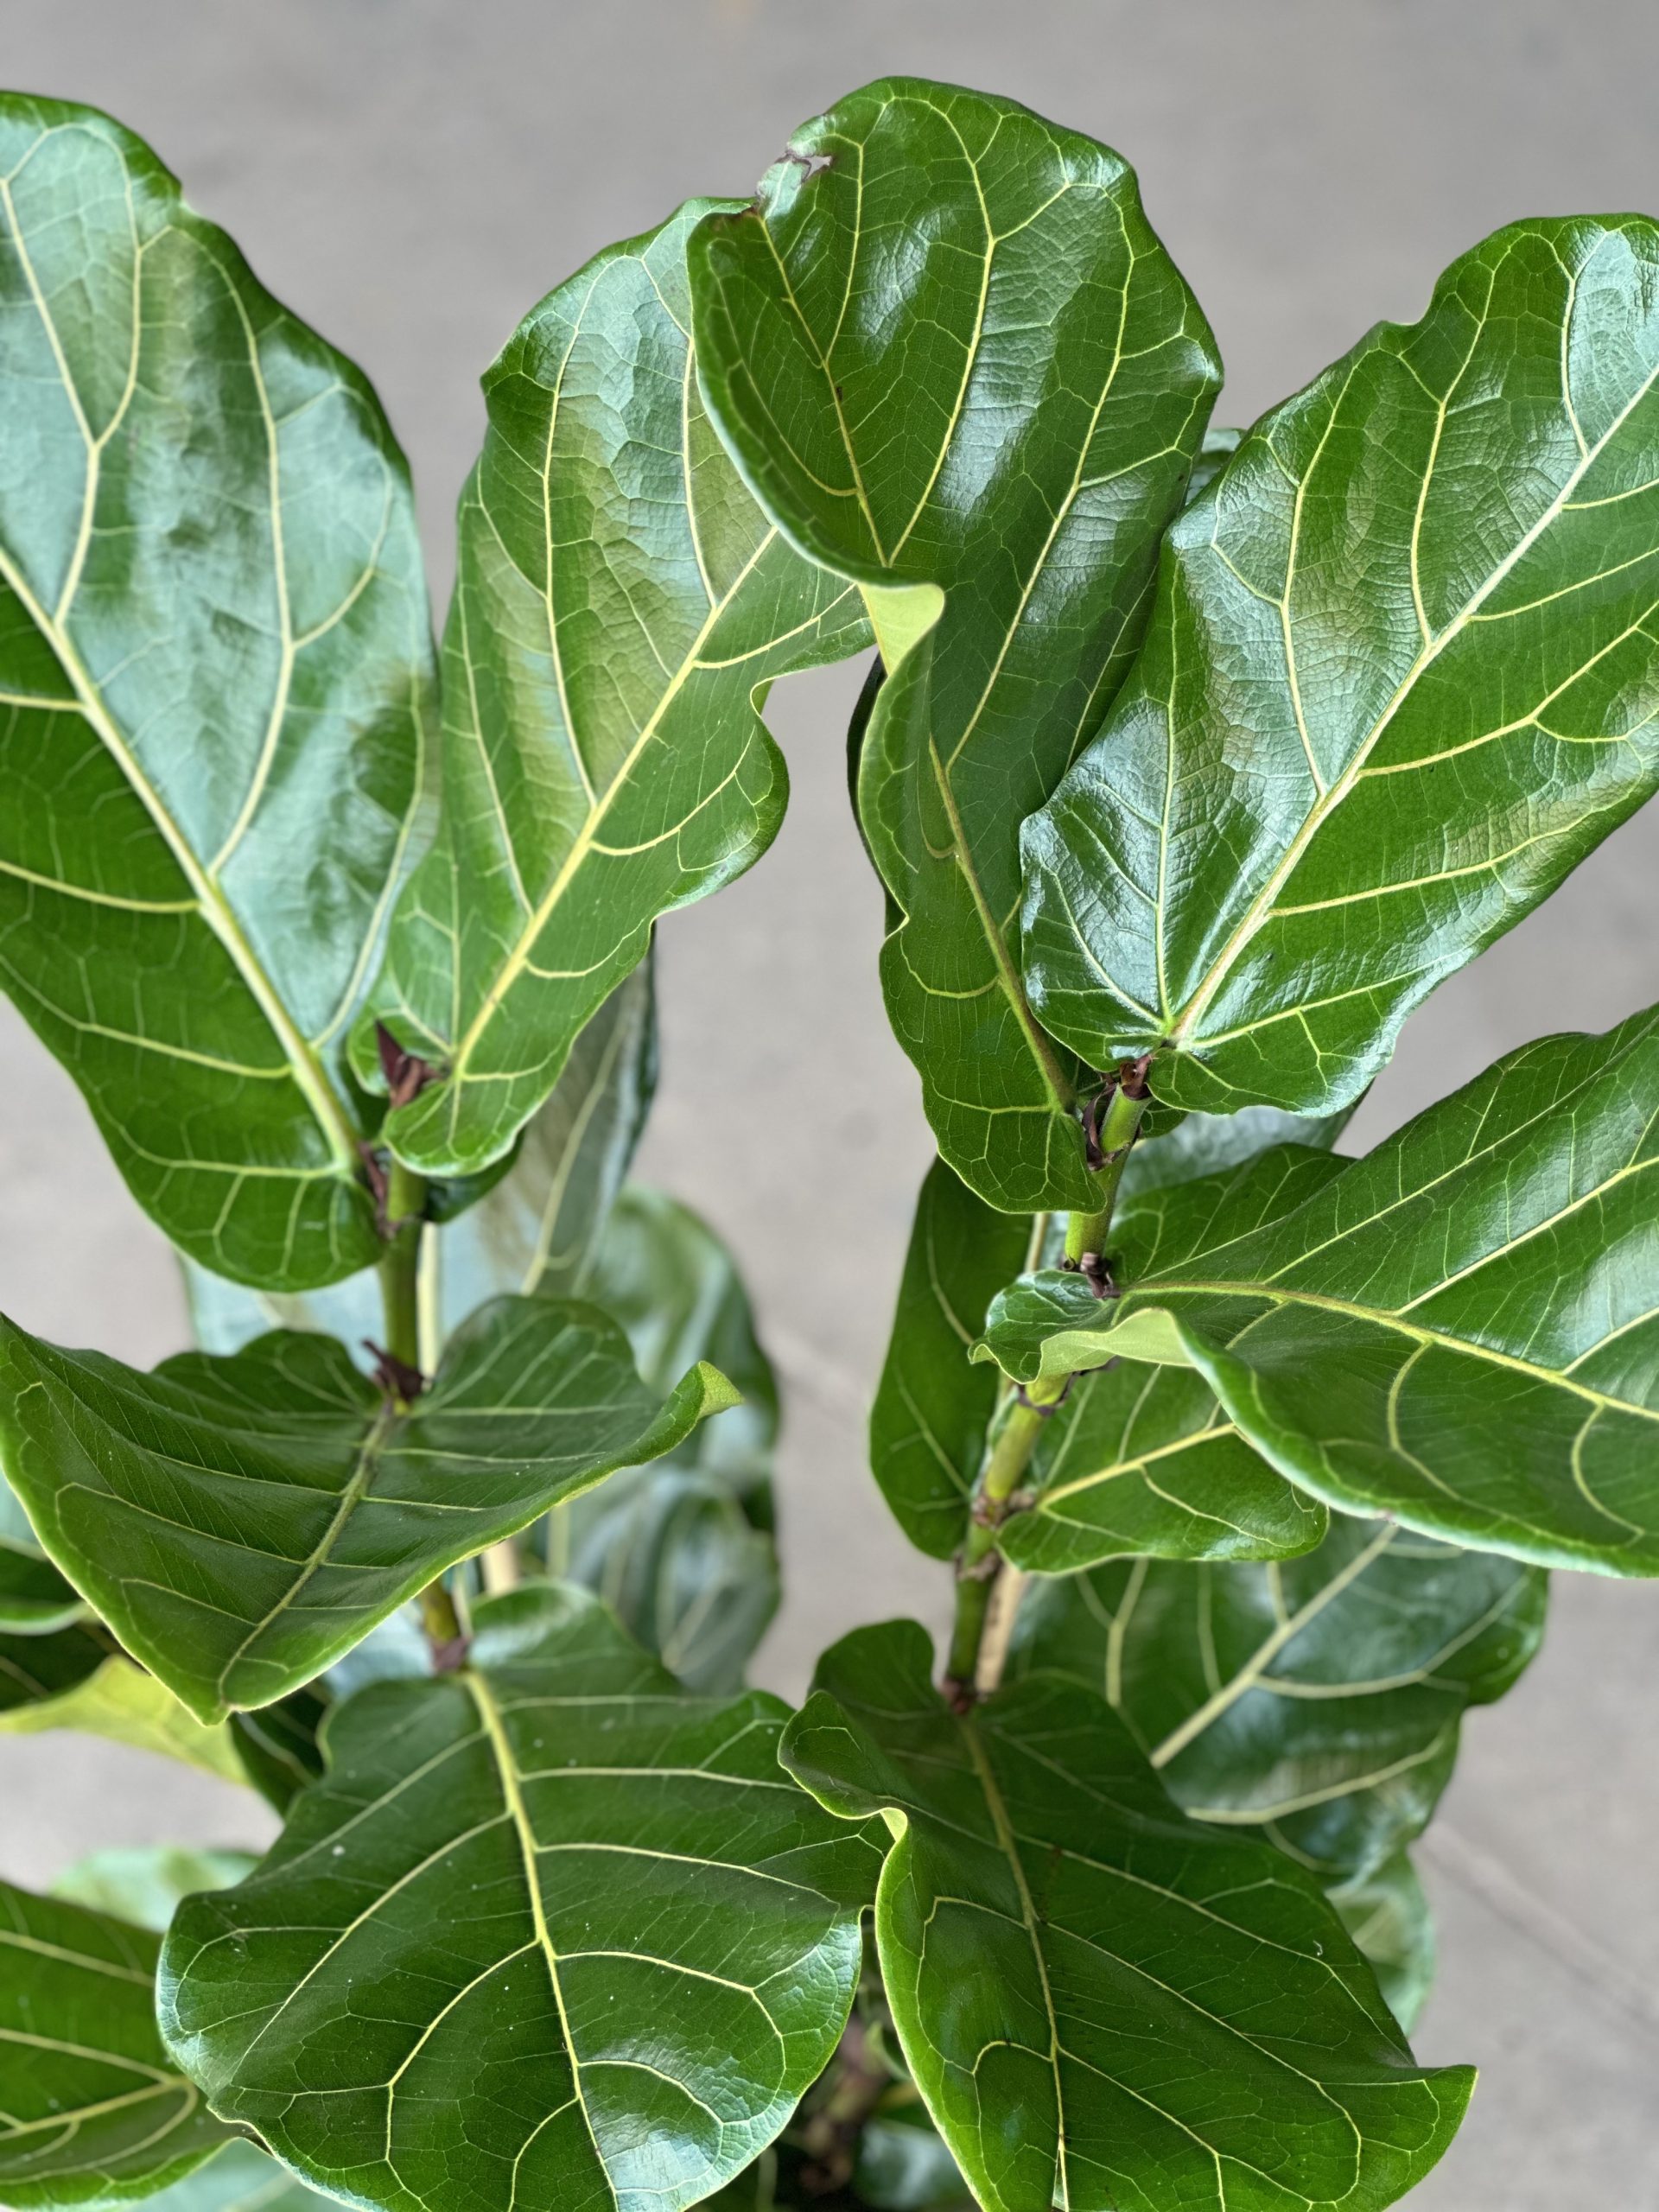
(1189, 761)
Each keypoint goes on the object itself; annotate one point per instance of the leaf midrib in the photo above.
(518, 959)
(495, 1732)
(369, 1456)
(1383, 1317)
(1007, 1844)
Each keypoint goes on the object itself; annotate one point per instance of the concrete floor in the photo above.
(410, 177)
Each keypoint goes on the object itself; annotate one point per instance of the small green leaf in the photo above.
(1400, 679)
(1319, 1699)
(34, 1599)
(932, 1410)
(1459, 1329)
(239, 2178)
(1102, 2002)
(144, 1885)
(1142, 1459)
(621, 606)
(588, 1946)
(958, 367)
(72, 1681)
(903, 2166)
(37, 1671)
(216, 669)
(277, 1744)
(1387, 1916)
(92, 2110)
(242, 1522)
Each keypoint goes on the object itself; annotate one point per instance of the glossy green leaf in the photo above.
(1461, 1330)
(241, 1521)
(932, 1410)
(1400, 678)
(215, 683)
(34, 1599)
(70, 1681)
(92, 2109)
(958, 367)
(239, 2178)
(1104, 2004)
(144, 1885)
(550, 1931)
(1388, 1917)
(1319, 1699)
(621, 607)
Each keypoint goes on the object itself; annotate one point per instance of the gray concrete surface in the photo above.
(411, 174)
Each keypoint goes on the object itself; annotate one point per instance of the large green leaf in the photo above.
(1400, 678)
(1319, 1699)
(536, 1229)
(1461, 1330)
(682, 1548)
(241, 1521)
(621, 606)
(586, 1949)
(958, 367)
(92, 2109)
(215, 682)
(1104, 2004)
(933, 1411)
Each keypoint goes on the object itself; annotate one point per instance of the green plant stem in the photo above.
(400, 1267)
(439, 1617)
(400, 1277)
(980, 1563)
(1087, 1232)
(977, 1568)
